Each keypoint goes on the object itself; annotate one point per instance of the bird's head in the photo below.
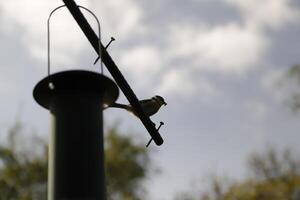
(160, 100)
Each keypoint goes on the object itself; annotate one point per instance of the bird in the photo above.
(150, 106)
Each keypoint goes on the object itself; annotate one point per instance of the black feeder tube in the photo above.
(76, 152)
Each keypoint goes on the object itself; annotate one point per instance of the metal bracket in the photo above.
(114, 70)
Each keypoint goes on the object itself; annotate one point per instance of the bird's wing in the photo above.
(145, 101)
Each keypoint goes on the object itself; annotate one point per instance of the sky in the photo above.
(217, 63)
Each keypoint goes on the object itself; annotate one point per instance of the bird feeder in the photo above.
(75, 99)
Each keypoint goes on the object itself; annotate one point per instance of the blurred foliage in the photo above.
(22, 175)
(23, 172)
(293, 75)
(294, 72)
(274, 177)
(127, 164)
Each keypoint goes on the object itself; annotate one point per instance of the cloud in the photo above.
(257, 109)
(177, 82)
(143, 63)
(234, 47)
(31, 17)
(8, 88)
(67, 41)
(180, 82)
(266, 14)
(228, 48)
(120, 18)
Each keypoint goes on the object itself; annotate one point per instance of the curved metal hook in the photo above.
(99, 34)
(51, 86)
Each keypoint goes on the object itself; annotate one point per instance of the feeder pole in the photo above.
(76, 152)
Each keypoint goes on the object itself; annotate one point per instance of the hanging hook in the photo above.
(51, 85)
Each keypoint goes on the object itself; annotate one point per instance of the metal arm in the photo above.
(113, 69)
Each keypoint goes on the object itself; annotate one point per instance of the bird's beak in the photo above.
(165, 103)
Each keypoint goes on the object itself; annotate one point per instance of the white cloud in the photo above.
(67, 41)
(179, 82)
(141, 59)
(234, 47)
(259, 14)
(143, 63)
(226, 48)
(120, 18)
(231, 48)
(32, 15)
(257, 109)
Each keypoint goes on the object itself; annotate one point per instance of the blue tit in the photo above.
(150, 106)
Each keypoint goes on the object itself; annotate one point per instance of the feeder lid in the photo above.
(75, 81)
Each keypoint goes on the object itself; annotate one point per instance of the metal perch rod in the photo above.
(113, 69)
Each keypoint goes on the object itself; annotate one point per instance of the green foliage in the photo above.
(294, 72)
(23, 172)
(274, 177)
(292, 79)
(127, 165)
(281, 188)
(22, 177)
